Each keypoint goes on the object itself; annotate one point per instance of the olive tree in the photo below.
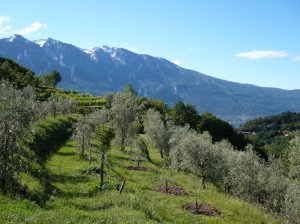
(99, 123)
(192, 152)
(81, 134)
(292, 197)
(16, 114)
(123, 113)
(59, 105)
(225, 160)
(156, 131)
(99, 117)
(246, 176)
(275, 186)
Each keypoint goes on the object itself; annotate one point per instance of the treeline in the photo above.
(21, 76)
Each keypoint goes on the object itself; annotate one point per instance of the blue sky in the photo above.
(246, 41)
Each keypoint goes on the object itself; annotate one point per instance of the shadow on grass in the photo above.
(70, 179)
(69, 145)
(66, 153)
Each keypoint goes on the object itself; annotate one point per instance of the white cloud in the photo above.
(4, 19)
(297, 58)
(4, 29)
(260, 54)
(34, 27)
(175, 61)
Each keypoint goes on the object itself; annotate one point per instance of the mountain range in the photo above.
(104, 69)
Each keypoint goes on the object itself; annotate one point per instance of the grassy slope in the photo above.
(139, 202)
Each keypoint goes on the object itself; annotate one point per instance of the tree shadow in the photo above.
(70, 179)
(66, 153)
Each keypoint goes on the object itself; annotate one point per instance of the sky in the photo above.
(246, 41)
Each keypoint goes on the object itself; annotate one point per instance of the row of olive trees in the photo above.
(16, 114)
(114, 121)
(119, 114)
(243, 174)
(19, 109)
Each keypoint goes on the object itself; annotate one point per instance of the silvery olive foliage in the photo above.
(275, 185)
(188, 152)
(292, 197)
(16, 115)
(157, 133)
(243, 173)
(99, 117)
(81, 134)
(58, 105)
(123, 112)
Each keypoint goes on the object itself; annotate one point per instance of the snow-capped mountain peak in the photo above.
(40, 42)
(17, 37)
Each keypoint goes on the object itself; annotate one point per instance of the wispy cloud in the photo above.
(297, 58)
(4, 29)
(130, 47)
(176, 61)
(261, 54)
(4, 19)
(34, 27)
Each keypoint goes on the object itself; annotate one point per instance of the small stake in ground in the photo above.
(122, 187)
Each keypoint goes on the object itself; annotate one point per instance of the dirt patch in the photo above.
(202, 209)
(175, 190)
(140, 168)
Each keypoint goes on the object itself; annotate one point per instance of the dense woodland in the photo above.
(36, 119)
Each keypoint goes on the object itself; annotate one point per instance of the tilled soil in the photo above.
(175, 190)
(203, 209)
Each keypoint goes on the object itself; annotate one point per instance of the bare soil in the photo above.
(175, 190)
(140, 168)
(202, 209)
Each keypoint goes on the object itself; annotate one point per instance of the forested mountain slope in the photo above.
(272, 134)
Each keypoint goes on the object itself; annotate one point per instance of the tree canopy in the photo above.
(51, 79)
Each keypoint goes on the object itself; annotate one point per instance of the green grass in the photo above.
(74, 201)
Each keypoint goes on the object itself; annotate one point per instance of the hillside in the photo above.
(75, 199)
(273, 133)
(102, 70)
(57, 166)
